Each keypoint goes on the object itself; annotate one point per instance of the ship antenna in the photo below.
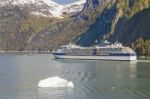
(96, 41)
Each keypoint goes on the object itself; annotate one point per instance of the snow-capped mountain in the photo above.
(46, 8)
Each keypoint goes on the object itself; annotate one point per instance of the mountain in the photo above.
(21, 20)
(67, 31)
(45, 8)
(120, 20)
(125, 21)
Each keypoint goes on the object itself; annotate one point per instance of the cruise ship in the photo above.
(104, 51)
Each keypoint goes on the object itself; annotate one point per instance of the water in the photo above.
(20, 74)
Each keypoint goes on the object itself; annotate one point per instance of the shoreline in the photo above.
(25, 52)
(139, 58)
(143, 58)
(144, 61)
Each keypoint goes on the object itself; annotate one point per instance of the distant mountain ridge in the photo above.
(45, 8)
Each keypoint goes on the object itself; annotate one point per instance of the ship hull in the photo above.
(119, 58)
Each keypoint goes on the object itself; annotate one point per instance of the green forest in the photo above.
(142, 47)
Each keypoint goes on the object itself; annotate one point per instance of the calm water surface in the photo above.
(20, 74)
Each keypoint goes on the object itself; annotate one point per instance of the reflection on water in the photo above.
(95, 79)
(20, 74)
(56, 93)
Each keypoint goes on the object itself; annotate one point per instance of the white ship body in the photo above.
(105, 51)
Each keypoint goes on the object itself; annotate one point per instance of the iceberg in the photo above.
(55, 82)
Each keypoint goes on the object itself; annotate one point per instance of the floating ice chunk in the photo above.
(55, 82)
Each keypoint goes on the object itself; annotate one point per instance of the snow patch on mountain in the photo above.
(38, 14)
(57, 11)
(46, 8)
(74, 7)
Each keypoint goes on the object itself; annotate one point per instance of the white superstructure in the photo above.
(104, 51)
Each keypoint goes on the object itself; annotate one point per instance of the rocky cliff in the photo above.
(121, 20)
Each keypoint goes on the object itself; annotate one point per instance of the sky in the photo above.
(64, 1)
